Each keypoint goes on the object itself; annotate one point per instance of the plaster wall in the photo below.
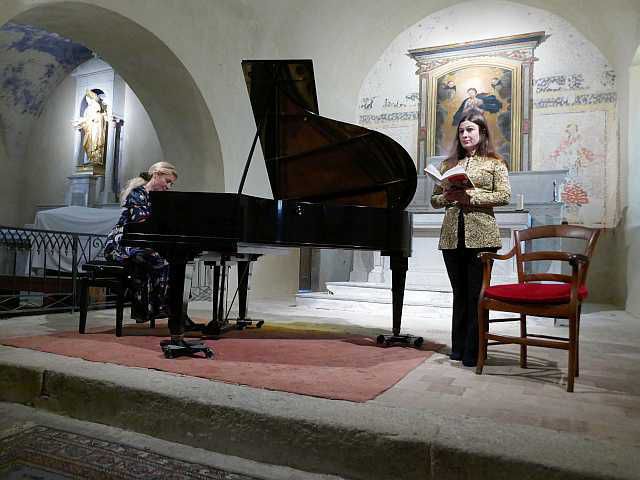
(49, 154)
(141, 147)
(633, 210)
(275, 276)
(9, 186)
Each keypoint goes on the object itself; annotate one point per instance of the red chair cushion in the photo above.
(534, 292)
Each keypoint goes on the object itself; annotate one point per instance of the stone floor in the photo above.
(605, 406)
(605, 403)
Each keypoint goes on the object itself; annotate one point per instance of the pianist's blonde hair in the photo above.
(161, 168)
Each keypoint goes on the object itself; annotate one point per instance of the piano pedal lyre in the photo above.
(406, 339)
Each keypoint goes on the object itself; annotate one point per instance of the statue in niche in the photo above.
(94, 129)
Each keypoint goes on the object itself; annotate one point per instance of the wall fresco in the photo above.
(578, 142)
(32, 62)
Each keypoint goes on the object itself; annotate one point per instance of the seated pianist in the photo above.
(149, 270)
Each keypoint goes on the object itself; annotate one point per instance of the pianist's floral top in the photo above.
(149, 271)
(137, 208)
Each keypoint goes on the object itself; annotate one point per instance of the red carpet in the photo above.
(319, 360)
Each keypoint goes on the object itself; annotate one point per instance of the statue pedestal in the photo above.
(84, 189)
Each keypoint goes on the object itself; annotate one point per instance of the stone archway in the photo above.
(166, 89)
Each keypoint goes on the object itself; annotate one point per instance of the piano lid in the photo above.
(316, 159)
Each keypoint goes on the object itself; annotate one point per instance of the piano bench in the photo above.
(102, 273)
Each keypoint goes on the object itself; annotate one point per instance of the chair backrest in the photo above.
(577, 232)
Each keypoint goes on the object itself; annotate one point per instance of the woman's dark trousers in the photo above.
(465, 274)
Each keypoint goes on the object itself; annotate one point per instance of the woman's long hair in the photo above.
(484, 149)
(161, 168)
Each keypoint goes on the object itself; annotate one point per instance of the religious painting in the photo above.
(488, 85)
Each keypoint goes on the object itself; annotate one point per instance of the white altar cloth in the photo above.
(97, 221)
(77, 220)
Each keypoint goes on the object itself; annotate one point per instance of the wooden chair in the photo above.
(560, 296)
(101, 273)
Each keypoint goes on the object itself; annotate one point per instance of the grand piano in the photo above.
(334, 184)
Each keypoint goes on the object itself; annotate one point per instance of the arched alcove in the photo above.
(574, 90)
(164, 86)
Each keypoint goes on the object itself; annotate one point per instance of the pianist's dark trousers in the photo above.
(465, 274)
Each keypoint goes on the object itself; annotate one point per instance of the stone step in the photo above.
(351, 440)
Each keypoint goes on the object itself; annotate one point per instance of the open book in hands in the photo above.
(455, 176)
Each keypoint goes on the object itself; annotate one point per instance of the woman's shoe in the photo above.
(469, 363)
(455, 356)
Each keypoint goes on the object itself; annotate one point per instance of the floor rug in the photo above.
(323, 361)
(49, 454)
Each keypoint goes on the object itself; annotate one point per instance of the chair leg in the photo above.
(119, 309)
(483, 329)
(578, 342)
(523, 334)
(84, 304)
(572, 353)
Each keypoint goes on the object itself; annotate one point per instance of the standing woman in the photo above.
(149, 271)
(469, 226)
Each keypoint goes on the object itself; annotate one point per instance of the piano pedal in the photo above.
(184, 348)
(246, 323)
(410, 340)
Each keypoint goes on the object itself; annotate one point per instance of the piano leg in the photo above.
(178, 300)
(399, 267)
(215, 293)
(176, 297)
(221, 305)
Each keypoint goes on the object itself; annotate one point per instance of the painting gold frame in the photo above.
(477, 64)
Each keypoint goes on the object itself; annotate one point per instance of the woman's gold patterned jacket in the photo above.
(491, 180)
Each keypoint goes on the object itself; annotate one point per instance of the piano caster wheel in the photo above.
(185, 348)
(259, 324)
(389, 340)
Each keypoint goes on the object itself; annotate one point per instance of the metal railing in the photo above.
(39, 269)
